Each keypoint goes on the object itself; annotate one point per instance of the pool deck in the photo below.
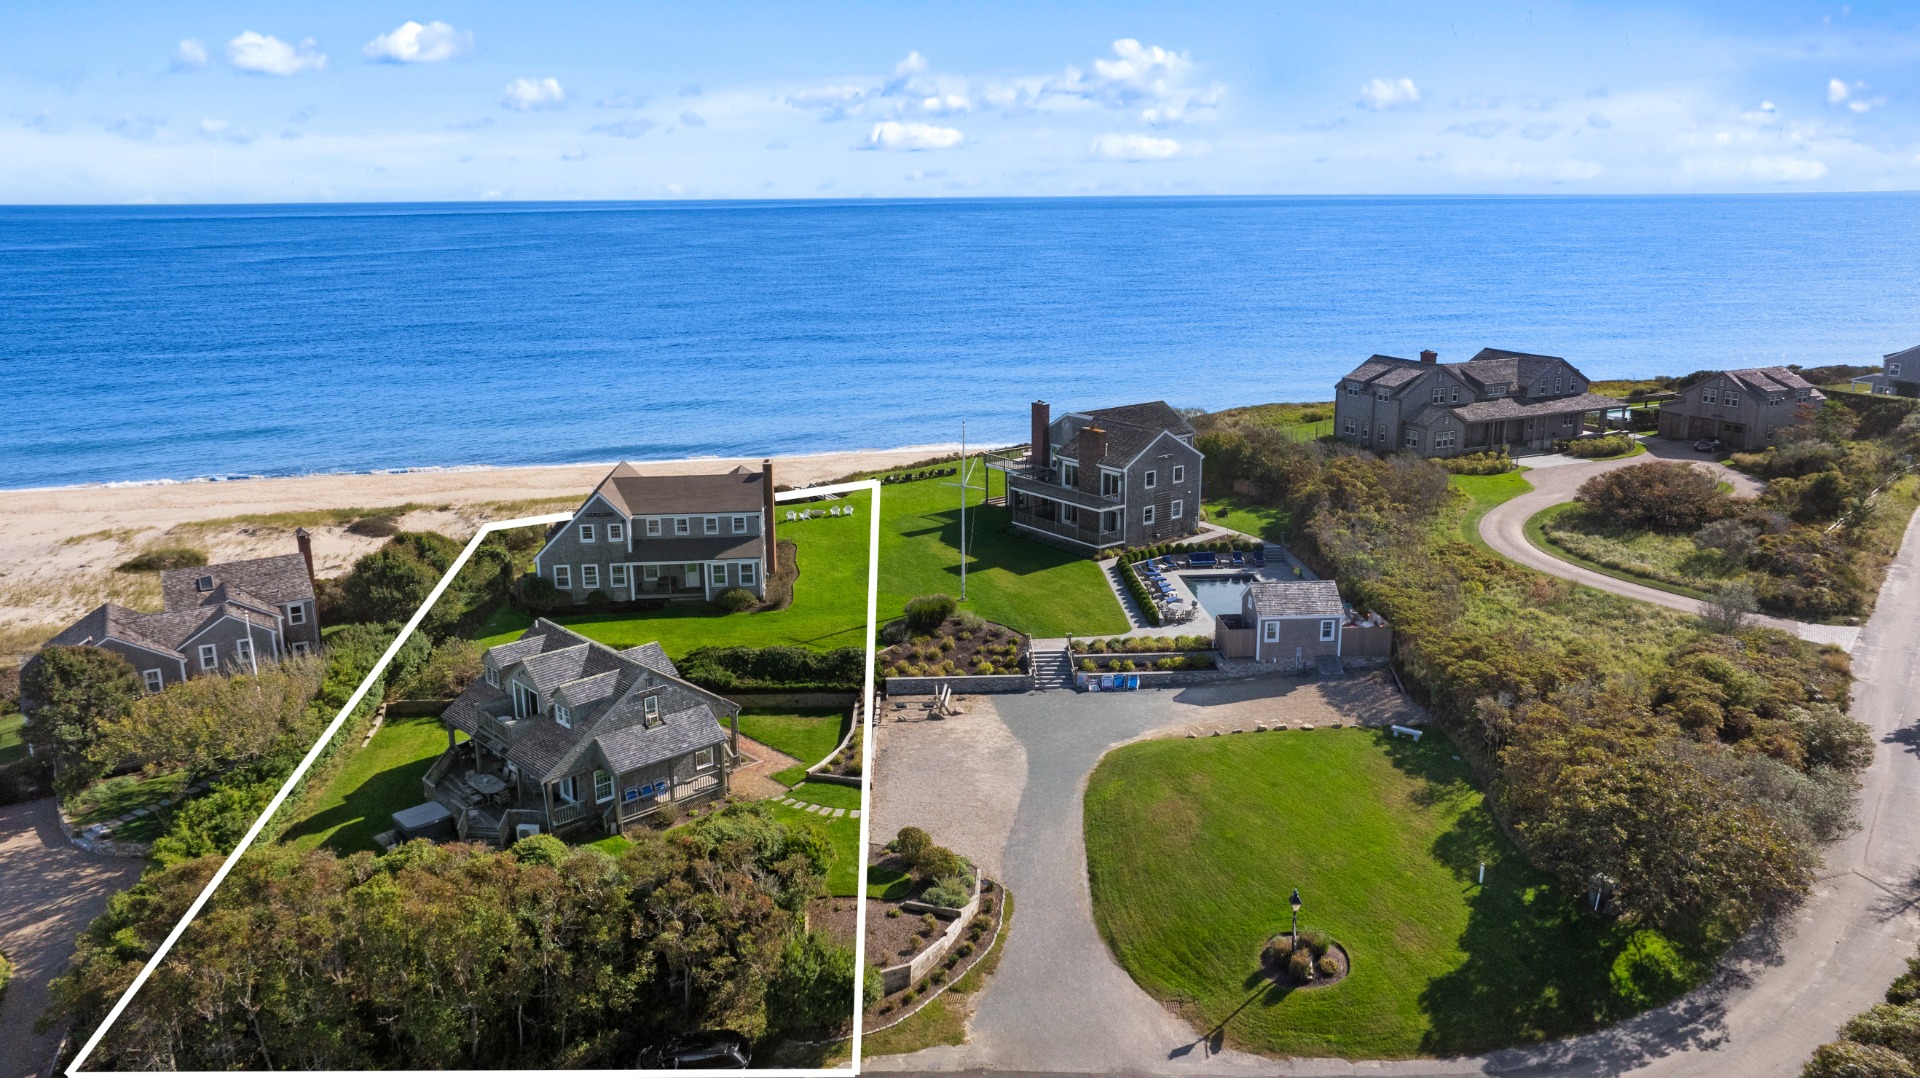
(1281, 565)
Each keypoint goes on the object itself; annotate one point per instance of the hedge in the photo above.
(782, 668)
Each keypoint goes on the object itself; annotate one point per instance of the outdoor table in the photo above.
(487, 786)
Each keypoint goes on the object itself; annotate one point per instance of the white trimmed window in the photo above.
(653, 525)
(1146, 515)
(1709, 395)
(1456, 395)
(589, 576)
(154, 678)
(1353, 389)
(493, 677)
(209, 656)
(1413, 439)
(1556, 383)
(1732, 398)
(243, 651)
(1179, 474)
(1497, 389)
(1801, 395)
(300, 647)
(719, 573)
(650, 573)
(1110, 521)
(1326, 629)
(616, 533)
(1893, 370)
(1151, 477)
(563, 576)
(703, 759)
(1112, 483)
(682, 526)
(1573, 386)
(1569, 420)
(653, 707)
(748, 572)
(1444, 439)
(739, 525)
(713, 525)
(1382, 395)
(1440, 394)
(586, 533)
(297, 614)
(616, 576)
(1179, 509)
(1349, 426)
(1270, 632)
(1381, 434)
(562, 714)
(602, 786)
(568, 789)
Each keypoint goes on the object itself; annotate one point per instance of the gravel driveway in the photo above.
(49, 890)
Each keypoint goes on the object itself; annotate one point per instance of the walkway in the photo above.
(1504, 529)
(49, 891)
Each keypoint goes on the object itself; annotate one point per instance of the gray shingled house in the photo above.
(674, 537)
(216, 619)
(1744, 408)
(567, 733)
(1517, 400)
(1295, 623)
(1110, 477)
(1899, 375)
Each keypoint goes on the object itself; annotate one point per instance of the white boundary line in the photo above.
(873, 586)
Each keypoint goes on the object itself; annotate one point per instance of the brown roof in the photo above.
(262, 581)
(1130, 429)
(1509, 408)
(739, 490)
(1295, 598)
(1767, 380)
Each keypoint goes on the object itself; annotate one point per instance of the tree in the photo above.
(813, 992)
(1729, 607)
(1668, 497)
(392, 582)
(210, 723)
(68, 694)
(1845, 1059)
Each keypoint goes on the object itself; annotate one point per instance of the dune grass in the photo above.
(1193, 847)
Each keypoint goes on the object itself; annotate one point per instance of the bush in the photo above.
(156, 558)
(1731, 539)
(1648, 971)
(448, 669)
(6, 975)
(540, 850)
(70, 695)
(377, 526)
(780, 667)
(734, 600)
(1315, 941)
(1300, 967)
(1610, 445)
(951, 892)
(1845, 1059)
(1328, 965)
(926, 613)
(1893, 1027)
(1488, 463)
(1667, 497)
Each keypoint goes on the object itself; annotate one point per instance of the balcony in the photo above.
(1044, 483)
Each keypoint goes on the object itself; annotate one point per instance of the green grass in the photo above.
(808, 734)
(369, 788)
(1012, 579)
(1193, 846)
(830, 794)
(1269, 522)
(888, 884)
(1642, 557)
(113, 797)
(843, 876)
(829, 608)
(1483, 493)
(612, 844)
(13, 742)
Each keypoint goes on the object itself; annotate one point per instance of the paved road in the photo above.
(1504, 529)
(49, 890)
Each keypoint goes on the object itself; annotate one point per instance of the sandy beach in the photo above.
(59, 547)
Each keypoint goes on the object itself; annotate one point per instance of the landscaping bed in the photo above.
(962, 644)
(943, 1019)
(897, 934)
(1127, 664)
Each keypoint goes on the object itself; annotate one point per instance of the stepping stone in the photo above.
(1216, 733)
(142, 812)
(788, 801)
(1306, 726)
(837, 813)
(1337, 725)
(854, 814)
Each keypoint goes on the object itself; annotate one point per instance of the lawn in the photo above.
(1012, 579)
(1269, 522)
(13, 742)
(843, 876)
(117, 796)
(1656, 559)
(808, 734)
(1193, 847)
(370, 787)
(1483, 493)
(829, 608)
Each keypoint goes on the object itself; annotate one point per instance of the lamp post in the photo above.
(1294, 936)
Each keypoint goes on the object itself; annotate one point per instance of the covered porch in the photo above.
(1532, 426)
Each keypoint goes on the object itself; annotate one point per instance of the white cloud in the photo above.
(1135, 148)
(621, 101)
(1836, 91)
(264, 54)
(1561, 171)
(893, 135)
(189, 55)
(222, 131)
(1382, 94)
(633, 128)
(414, 43)
(524, 94)
(1155, 80)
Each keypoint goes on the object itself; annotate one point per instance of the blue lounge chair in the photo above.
(1238, 559)
(1205, 559)
(1260, 556)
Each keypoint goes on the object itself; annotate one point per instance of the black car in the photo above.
(1709, 445)
(707, 1050)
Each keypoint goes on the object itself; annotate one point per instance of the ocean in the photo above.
(150, 343)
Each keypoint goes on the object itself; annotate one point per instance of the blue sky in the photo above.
(357, 101)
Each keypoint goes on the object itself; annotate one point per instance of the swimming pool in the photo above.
(1219, 594)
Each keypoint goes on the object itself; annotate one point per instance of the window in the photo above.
(1456, 395)
(243, 651)
(1774, 400)
(1110, 521)
(1884, 391)
(745, 572)
(1179, 509)
(1732, 398)
(1709, 395)
(1070, 475)
(562, 715)
(209, 656)
(586, 533)
(650, 573)
(1146, 515)
(1350, 426)
(1270, 631)
(1556, 383)
(1569, 420)
(1179, 474)
(1112, 483)
(493, 677)
(712, 525)
(1151, 477)
(300, 647)
(703, 759)
(563, 576)
(616, 533)
(297, 614)
(1353, 389)
(719, 575)
(1893, 370)
(1070, 513)
(1444, 439)
(682, 526)
(1497, 389)
(568, 789)
(1542, 391)
(1439, 394)
(616, 576)
(1413, 439)
(589, 576)
(1327, 626)
(1382, 395)
(602, 786)
(525, 701)
(653, 707)
(154, 679)
(653, 525)
(1800, 394)
(739, 525)
(1573, 385)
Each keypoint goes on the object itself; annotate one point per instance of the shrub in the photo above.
(156, 558)
(1489, 463)
(1845, 1059)
(779, 667)
(1300, 967)
(540, 850)
(1315, 941)
(377, 526)
(1906, 987)
(70, 695)
(925, 613)
(929, 924)
(6, 975)
(1889, 1026)
(1328, 965)
(963, 950)
(734, 600)
(951, 892)
(970, 623)
(1610, 445)
(911, 843)
(1648, 971)
(1731, 539)
(1668, 497)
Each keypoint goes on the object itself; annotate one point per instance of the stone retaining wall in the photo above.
(895, 978)
(963, 684)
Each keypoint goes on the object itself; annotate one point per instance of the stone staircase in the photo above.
(1052, 669)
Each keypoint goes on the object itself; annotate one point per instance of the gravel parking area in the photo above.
(959, 779)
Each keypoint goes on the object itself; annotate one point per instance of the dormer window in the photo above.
(1382, 395)
(653, 525)
(525, 701)
(205, 583)
(1496, 389)
(562, 715)
(1110, 483)
(653, 707)
(682, 526)
(1070, 474)
(713, 525)
(493, 676)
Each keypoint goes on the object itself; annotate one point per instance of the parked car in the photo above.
(1709, 445)
(707, 1050)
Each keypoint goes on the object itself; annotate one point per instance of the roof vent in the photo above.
(205, 583)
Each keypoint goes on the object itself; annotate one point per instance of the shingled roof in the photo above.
(1510, 408)
(1769, 380)
(1130, 428)
(251, 591)
(267, 582)
(1295, 598)
(738, 490)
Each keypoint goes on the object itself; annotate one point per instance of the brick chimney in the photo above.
(1040, 440)
(1428, 355)
(773, 547)
(1093, 450)
(305, 541)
